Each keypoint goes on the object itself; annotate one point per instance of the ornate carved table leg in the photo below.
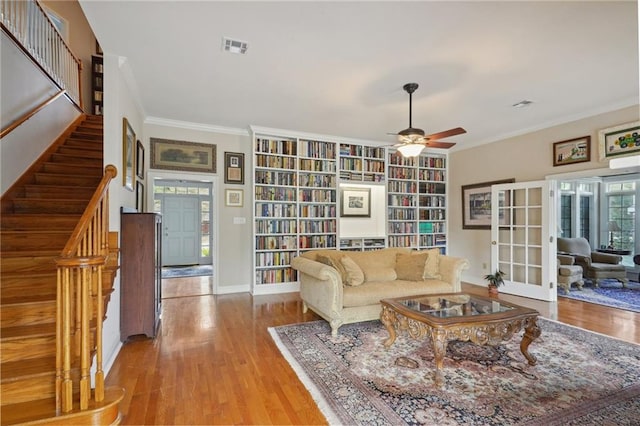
(439, 339)
(531, 333)
(388, 318)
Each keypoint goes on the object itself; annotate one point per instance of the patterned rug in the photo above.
(186, 271)
(609, 293)
(581, 378)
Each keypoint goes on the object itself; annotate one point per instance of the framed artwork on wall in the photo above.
(234, 167)
(355, 202)
(182, 155)
(128, 155)
(476, 205)
(572, 151)
(620, 140)
(140, 160)
(140, 197)
(233, 197)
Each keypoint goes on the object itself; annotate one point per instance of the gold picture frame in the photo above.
(185, 156)
(128, 155)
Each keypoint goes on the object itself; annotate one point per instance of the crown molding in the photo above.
(196, 126)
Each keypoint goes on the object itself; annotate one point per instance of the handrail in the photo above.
(27, 23)
(30, 114)
(79, 300)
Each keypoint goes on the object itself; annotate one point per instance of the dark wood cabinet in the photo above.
(141, 275)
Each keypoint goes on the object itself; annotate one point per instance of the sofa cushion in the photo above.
(334, 262)
(377, 265)
(411, 266)
(370, 293)
(432, 265)
(353, 274)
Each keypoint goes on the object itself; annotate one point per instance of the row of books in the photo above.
(402, 186)
(326, 166)
(276, 210)
(275, 162)
(269, 193)
(434, 175)
(401, 214)
(277, 258)
(317, 195)
(431, 201)
(272, 226)
(276, 146)
(284, 242)
(317, 241)
(275, 178)
(320, 210)
(318, 226)
(276, 276)
(318, 181)
(432, 214)
(396, 200)
(317, 149)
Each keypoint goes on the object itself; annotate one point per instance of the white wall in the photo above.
(24, 86)
(234, 245)
(526, 158)
(118, 104)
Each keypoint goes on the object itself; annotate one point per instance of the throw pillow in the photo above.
(334, 263)
(410, 266)
(432, 265)
(354, 275)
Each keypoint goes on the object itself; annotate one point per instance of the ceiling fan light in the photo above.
(411, 149)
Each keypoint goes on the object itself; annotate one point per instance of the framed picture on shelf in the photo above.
(476, 205)
(572, 151)
(355, 202)
(183, 156)
(140, 160)
(233, 197)
(234, 167)
(128, 154)
(140, 197)
(619, 140)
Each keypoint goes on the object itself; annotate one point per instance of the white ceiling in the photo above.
(337, 68)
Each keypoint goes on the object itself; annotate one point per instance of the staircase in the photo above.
(39, 214)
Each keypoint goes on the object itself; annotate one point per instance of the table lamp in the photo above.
(612, 227)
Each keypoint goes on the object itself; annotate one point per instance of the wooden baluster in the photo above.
(99, 391)
(67, 385)
(85, 382)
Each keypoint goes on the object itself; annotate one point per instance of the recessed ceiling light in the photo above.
(234, 46)
(522, 104)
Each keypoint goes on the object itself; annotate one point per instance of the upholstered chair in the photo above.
(569, 273)
(595, 266)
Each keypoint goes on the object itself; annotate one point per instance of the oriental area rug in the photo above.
(609, 293)
(581, 378)
(186, 271)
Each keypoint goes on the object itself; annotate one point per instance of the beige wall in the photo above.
(81, 41)
(526, 158)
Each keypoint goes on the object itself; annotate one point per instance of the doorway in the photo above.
(186, 221)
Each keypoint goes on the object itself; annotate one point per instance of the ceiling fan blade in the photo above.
(436, 144)
(446, 134)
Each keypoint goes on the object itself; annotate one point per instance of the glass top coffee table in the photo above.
(458, 316)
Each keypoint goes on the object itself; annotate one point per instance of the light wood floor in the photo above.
(215, 362)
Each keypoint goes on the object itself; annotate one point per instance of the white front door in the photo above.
(181, 233)
(522, 244)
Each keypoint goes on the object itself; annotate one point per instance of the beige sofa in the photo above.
(345, 287)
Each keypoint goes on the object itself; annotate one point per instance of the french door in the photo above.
(523, 244)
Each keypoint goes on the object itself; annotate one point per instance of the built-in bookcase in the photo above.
(296, 200)
(416, 201)
(97, 84)
(362, 163)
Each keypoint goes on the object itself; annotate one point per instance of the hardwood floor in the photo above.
(215, 362)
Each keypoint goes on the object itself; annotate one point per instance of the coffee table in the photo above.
(458, 316)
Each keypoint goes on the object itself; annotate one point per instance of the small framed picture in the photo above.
(619, 140)
(233, 197)
(140, 160)
(355, 202)
(140, 197)
(572, 151)
(234, 167)
(476, 205)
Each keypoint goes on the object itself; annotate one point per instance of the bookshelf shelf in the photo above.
(97, 81)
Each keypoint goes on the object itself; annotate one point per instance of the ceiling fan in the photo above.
(412, 140)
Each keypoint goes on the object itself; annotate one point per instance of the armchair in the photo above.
(595, 266)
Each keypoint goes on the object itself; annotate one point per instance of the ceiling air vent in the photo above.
(234, 46)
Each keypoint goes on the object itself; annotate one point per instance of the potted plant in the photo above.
(495, 280)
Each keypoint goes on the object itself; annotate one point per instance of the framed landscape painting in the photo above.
(355, 202)
(182, 155)
(476, 205)
(128, 155)
(572, 151)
